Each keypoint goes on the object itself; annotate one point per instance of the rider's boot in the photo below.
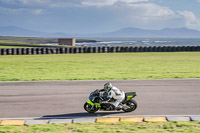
(119, 107)
(111, 107)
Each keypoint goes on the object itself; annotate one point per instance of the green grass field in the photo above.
(144, 127)
(27, 42)
(23, 45)
(106, 66)
(22, 40)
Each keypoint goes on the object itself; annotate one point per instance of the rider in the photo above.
(115, 93)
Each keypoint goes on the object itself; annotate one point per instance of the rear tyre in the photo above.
(131, 106)
(90, 109)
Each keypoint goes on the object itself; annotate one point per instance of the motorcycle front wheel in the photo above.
(130, 106)
(90, 109)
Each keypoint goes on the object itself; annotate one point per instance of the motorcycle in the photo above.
(96, 102)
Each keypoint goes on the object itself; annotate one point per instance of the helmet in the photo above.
(107, 86)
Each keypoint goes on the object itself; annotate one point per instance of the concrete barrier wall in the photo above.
(71, 50)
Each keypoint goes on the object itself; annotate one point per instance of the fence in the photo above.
(69, 50)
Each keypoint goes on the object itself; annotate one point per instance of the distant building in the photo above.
(67, 41)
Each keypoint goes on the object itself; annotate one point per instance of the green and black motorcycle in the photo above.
(96, 102)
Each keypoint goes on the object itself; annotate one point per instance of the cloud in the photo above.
(63, 4)
(143, 14)
(98, 2)
(108, 2)
(41, 3)
(152, 10)
(107, 13)
(150, 14)
(12, 10)
(135, 12)
(16, 1)
(34, 7)
(191, 21)
(19, 11)
(67, 3)
(26, 1)
(38, 11)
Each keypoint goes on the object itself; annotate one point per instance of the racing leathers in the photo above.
(116, 94)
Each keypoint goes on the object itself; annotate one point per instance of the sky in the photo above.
(97, 16)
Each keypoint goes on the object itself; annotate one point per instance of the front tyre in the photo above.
(130, 106)
(90, 109)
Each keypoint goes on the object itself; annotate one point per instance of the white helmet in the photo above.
(107, 86)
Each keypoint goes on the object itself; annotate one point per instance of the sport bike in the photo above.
(96, 102)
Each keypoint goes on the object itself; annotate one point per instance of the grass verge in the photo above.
(23, 45)
(100, 66)
(144, 127)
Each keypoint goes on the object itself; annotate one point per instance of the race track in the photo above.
(66, 98)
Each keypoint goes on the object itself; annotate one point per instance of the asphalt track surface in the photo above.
(66, 98)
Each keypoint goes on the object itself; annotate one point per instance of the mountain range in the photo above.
(125, 32)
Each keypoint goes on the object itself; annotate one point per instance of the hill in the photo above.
(125, 32)
(167, 32)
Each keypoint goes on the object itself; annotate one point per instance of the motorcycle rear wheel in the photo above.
(132, 104)
(90, 109)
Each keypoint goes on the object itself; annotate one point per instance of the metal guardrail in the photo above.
(71, 50)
